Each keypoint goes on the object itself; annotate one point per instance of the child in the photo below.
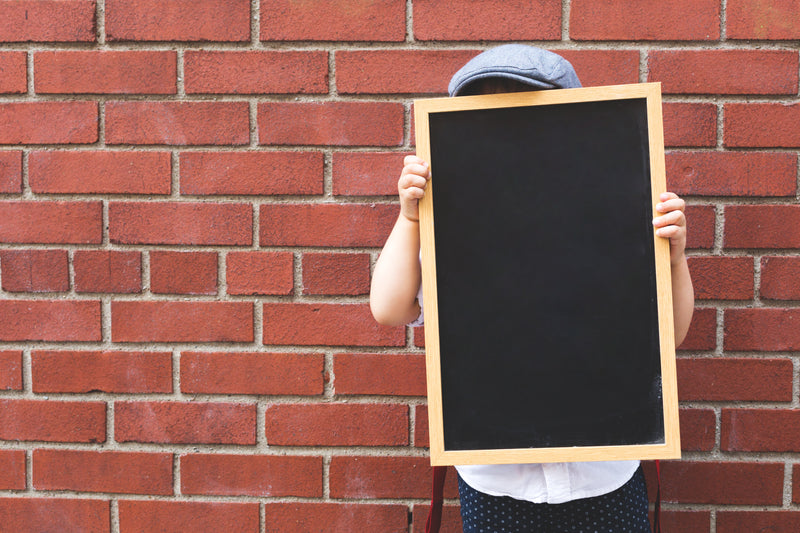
(606, 496)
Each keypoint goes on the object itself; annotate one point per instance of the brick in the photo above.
(107, 271)
(188, 517)
(648, 20)
(795, 483)
(762, 125)
(351, 424)
(65, 515)
(10, 171)
(762, 226)
(178, 20)
(10, 370)
(421, 428)
(780, 278)
(13, 72)
(726, 483)
(603, 67)
(268, 374)
(778, 521)
(260, 273)
(48, 123)
(178, 123)
(334, 273)
(335, 225)
(686, 521)
(105, 72)
(344, 20)
(160, 321)
(93, 471)
(698, 429)
(732, 173)
(702, 331)
(96, 172)
(487, 20)
(191, 223)
(50, 320)
(384, 477)
(44, 222)
(762, 329)
(753, 19)
(701, 221)
(47, 21)
(335, 517)
(40, 420)
(722, 278)
(112, 372)
(252, 475)
(690, 124)
(760, 430)
(330, 123)
(451, 518)
(256, 72)
(12, 471)
(326, 325)
(185, 423)
(380, 374)
(252, 173)
(35, 270)
(724, 71)
(183, 272)
(366, 173)
(731, 380)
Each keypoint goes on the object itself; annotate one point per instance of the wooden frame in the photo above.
(427, 109)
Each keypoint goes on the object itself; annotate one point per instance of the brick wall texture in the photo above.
(193, 194)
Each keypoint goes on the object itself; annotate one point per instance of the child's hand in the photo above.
(411, 186)
(671, 224)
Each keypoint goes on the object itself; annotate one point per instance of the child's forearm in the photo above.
(396, 279)
(682, 299)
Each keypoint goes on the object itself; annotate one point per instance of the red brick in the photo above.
(730, 380)
(333, 20)
(188, 517)
(260, 272)
(91, 172)
(48, 122)
(686, 521)
(351, 424)
(178, 123)
(366, 173)
(35, 270)
(113, 372)
(421, 429)
(252, 173)
(331, 123)
(180, 223)
(252, 475)
(108, 271)
(780, 278)
(178, 20)
(43, 222)
(722, 278)
(13, 72)
(47, 20)
(10, 370)
(269, 374)
(384, 477)
(161, 321)
(39, 420)
(726, 483)
(603, 67)
(183, 272)
(12, 471)
(335, 517)
(487, 20)
(50, 320)
(698, 429)
(795, 483)
(334, 273)
(702, 331)
(690, 124)
(754, 19)
(256, 72)
(380, 374)
(451, 518)
(777, 521)
(105, 72)
(93, 471)
(336, 225)
(762, 226)
(326, 325)
(700, 220)
(732, 173)
(762, 329)
(185, 423)
(762, 125)
(724, 71)
(11, 172)
(647, 20)
(35, 515)
(760, 430)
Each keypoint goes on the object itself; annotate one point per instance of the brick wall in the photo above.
(192, 195)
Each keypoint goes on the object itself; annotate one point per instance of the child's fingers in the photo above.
(671, 218)
(408, 181)
(668, 232)
(670, 204)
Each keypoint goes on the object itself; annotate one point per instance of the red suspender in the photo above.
(437, 495)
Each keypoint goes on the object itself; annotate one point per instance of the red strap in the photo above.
(657, 518)
(437, 496)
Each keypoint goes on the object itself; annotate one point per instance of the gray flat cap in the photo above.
(527, 64)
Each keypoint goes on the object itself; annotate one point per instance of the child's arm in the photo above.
(671, 224)
(396, 279)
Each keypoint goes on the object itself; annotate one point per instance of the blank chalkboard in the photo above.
(548, 314)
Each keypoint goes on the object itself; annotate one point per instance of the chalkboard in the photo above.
(548, 313)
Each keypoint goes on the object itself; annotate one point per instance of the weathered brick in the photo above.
(50, 320)
(762, 226)
(366, 173)
(13, 72)
(35, 270)
(698, 429)
(780, 278)
(728, 483)
(11, 172)
(47, 21)
(11, 370)
(12, 471)
(52, 421)
(380, 374)
(335, 517)
(336, 273)
(384, 477)
(188, 517)
(451, 518)
(722, 278)
(109, 271)
(44, 222)
(702, 331)
(685, 521)
(35, 515)
(603, 67)
(762, 125)
(700, 221)
(754, 19)
(762, 329)
(731, 380)
(183, 272)
(760, 430)
(260, 272)
(690, 124)
(48, 122)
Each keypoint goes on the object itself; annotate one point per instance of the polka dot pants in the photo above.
(623, 511)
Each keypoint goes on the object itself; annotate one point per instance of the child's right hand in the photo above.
(411, 186)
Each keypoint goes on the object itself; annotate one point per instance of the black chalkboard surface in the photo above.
(547, 299)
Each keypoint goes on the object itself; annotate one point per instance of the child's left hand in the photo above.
(671, 224)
